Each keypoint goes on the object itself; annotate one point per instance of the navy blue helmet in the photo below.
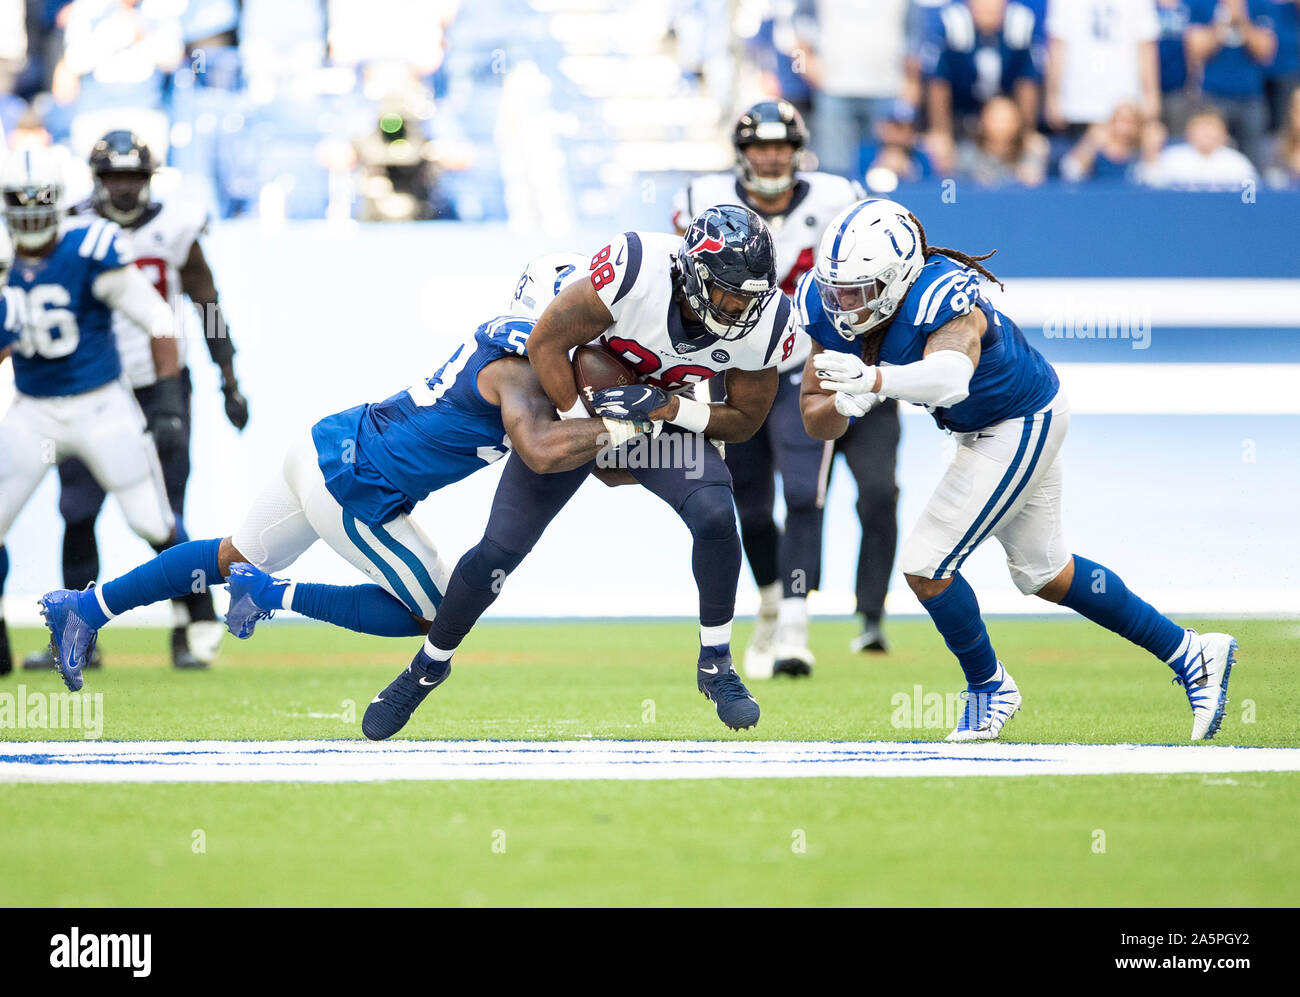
(122, 155)
(726, 268)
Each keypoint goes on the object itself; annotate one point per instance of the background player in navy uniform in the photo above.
(680, 311)
(166, 239)
(895, 317)
(67, 280)
(769, 139)
(352, 481)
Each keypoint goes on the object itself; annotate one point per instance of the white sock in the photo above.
(769, 599)
(715, 636)
(794, 614)
(437, 653)
(286, 597)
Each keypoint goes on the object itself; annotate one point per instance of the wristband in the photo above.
(691, 414)
(576, 411)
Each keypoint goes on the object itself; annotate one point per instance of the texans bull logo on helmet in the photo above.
(704, 235)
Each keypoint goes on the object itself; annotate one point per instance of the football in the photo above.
(597, 367)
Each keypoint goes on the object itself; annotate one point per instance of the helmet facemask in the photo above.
(32, 213)
(122, 195)
(729, 313)
(845, 302)
(766, 186)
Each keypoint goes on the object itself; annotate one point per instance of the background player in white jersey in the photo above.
(166, 239)
(769, 139)
(680, 311)
(893, 316)
(67, 280)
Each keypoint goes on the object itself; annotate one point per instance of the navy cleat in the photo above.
(72, 639)
(391, 709)
(716, 677)
(254, 595)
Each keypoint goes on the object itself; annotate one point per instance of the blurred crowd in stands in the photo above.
(542, 110)
(1191, 94)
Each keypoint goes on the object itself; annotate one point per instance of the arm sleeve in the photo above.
(939, 380)
(128, 291)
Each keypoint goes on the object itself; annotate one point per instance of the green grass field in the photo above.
(912, 841)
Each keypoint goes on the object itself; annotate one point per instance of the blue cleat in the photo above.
(988, 707)
(72, 639)
(254, 595)
(716, 677)
(389, 711)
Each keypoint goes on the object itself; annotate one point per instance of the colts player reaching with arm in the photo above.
(353, 481)
(893, 317)
(680, 311)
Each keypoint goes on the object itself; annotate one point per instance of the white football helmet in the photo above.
(544, 278)
(869, 258)
(31, 184)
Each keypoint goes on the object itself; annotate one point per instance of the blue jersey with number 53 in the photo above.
(1012, 378)
(61, 334)
(382, 458)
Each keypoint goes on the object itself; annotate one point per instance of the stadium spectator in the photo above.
(1205, 161)
(1006, 150)
(1176, 96)
(896, 156)
(117, 54)
(984, 49)
(855, 52)
(1282, 76)
(1116, 151)
(1229, 43)
(1100, 54)
(1284, 170)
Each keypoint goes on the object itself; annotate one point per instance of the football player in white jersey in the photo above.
(166, 239)
(680, 311)
(769, 139)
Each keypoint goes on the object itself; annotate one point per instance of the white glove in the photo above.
(622, 430)
(855, 406)
(844, 372)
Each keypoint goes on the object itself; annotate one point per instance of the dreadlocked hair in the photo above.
(974, 262)
(872, 342)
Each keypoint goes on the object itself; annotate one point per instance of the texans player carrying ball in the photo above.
(894, 317)
(680, 311)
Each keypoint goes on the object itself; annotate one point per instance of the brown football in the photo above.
(596, 367)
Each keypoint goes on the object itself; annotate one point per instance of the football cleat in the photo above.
(72, 639)
(254, 596)
(391, 709)
(759, 658)
(872, 638)
(986, 711)
(792, 654)
(204, 639)
(182, 657)
(1203, 672)
(716, 678)
(43, 660)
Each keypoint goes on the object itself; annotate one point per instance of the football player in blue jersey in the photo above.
(894, 317)
(68, 279)
(353, 481)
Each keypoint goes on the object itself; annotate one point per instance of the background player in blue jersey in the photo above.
(67, 280)
(165, 235)
(352, 481)
(893, 317)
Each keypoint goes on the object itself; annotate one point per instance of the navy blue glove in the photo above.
(633, 402)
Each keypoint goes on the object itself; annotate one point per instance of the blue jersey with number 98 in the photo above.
(382, 458)
(61, 334)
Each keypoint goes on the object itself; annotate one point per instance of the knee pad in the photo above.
(916, 557)
(1029, 578)
(709, 513)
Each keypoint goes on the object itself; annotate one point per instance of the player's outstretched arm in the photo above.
(545, 443)
(127, 290)
(820, 419)
(576, 316)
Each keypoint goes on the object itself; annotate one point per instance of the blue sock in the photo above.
(708, 653)
(367, 609)
(174, 573)
(1098, 594)
(956, 615)
(4, 568)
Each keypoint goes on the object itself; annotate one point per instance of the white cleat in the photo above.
(987, 712)
(204, 639)
(793, 657)
(1203, 671)
(759, 657)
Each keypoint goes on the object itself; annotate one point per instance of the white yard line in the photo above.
(359, 761)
